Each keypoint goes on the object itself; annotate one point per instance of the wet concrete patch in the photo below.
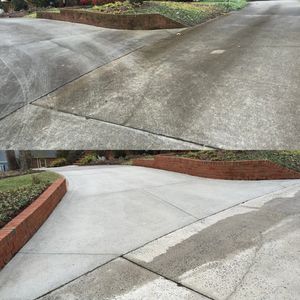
(122, 280)
(216, 259)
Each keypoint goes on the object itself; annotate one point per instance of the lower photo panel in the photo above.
(114, 224)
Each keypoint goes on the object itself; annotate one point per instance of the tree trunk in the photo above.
(11, 159)
(24, 157)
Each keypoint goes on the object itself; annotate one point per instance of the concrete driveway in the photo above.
(124, 232)
(230, 83)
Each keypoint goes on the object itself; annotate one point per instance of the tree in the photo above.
(12, 160)
(25, 160)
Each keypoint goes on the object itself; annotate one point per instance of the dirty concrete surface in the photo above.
(230, 83)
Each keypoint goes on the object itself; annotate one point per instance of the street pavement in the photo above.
(124, 232)
(230, 83)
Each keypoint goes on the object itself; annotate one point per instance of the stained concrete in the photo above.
(229, 83)
(38, 56)
(123, 280)
(242, 253)
(35, 128)
(109, 211)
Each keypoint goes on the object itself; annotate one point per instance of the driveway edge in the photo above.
(230, 170)
(15, 234)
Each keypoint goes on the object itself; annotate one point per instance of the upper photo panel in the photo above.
(99, 74)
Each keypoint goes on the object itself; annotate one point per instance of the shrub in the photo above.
(19, 5)
(13, 201)
(58, 162)
(41, 3)
(35, 179)
(135, 2)
(87, 159)
(116, 7)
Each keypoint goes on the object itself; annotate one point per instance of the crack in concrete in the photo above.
(257, 248)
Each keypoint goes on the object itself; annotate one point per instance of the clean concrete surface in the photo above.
(110, 211)
(230, 83)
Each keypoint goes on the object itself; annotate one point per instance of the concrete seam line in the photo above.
(168, 278)
(127, 127)
(170, 204)
(68, 253)
(121, 255)
(72, 80)
(84, 274)
(15, 234)
(132, 250)
(201, 219)
(88, 72)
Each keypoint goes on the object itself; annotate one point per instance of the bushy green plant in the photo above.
(135, 2)
(87, 159)
(58, 162)
(36, 179)
(19, 4)
(41, 3)
(13, 201)
(288, 159)
(115, 7)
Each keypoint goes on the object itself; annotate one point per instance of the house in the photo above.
(40, 159)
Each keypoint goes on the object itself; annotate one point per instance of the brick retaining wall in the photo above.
(15, 234)
(139, 21)
(232, 170)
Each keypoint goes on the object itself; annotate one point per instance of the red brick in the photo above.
(18, 231)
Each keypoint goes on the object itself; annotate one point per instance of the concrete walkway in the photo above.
(95, 236)
(230, 83)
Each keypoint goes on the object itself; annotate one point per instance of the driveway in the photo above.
(39, 56)
(124, 232)
(230, 83)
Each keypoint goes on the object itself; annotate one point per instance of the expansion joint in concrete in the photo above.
(169, 279)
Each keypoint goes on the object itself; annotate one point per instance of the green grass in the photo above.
(30, 15)
(288, 159)
(12, 183)
(51, 9)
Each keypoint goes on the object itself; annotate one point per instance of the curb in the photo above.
(15, 234)
(229, 170)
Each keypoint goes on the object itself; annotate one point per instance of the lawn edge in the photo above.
(15, 234)
(228, 170)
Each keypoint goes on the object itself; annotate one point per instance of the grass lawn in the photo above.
(288, 159)
(51, 9)
(12, 183)
(187, 13)
(16, 193)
